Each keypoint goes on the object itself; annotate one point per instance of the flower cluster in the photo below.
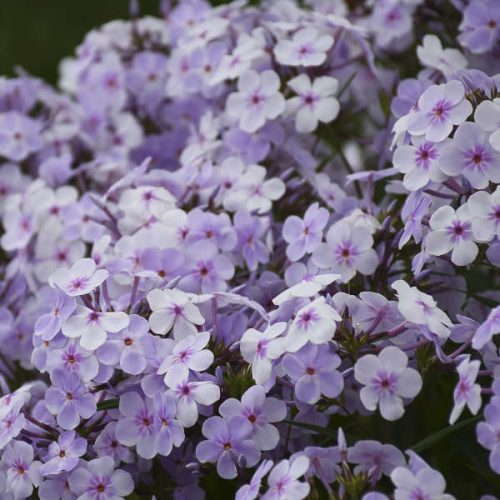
(233, 233)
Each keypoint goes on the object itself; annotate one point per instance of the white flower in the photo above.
(258, 99)
(432, 55)
(487, 115)
(387, 380)
(484, 209)
(421, 309)
(314, 101)
(260, 348)
(452, 231)
(81, 279)
(466, 392)
(173, 309)
(306, 48)
(314, 323)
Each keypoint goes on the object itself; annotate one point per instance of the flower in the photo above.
(283, 480)
(466, 391)
(99, 480)
(480, 26)
(315, 322)
(80, 279)
(261, 412)
(387, 380)
(348, 249)
(440, 108)
(452, 231)
(314, 101)
(487, 116)
(63, 454)
(173, 309)
(484, 209)
(425, 483)
(432, 55)
(304, 235)
(470, 154)
(19, 136)
(258, 99)
(313, 371)
(227, 442)
(22, 471)
(188, 355)
(421, 309)
(68, 399)
(92, 327)
(171, 432)
(488, 431)
(306, 48)
(250, 231)
(261, 348)
(130, 348)
(419, 162)
(251, 491)
(490, 327)
(374, 458)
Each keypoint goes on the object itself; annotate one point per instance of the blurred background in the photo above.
(36, 35)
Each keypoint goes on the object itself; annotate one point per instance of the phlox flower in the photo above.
(63, 454)
(387, 380)
(466, 392)
(23, 473)
(432, 55)
(484, 209)
(283, 480)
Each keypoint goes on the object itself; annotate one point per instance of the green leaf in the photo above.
(439, 435)
(109, 404)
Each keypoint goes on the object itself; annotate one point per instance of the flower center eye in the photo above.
(252, 418)
(204, 271)
(345, 253)
(18, 136)
(385, 383)
(306, 317)
(438, 110)
(227, 446)
(69, 396)
(62, 453)
(477, 158)
(424, 155)
(310, 371)
(146, 421)
(209, 234)
(20, 469)
(256, 99)
(128, 341)
(459, 230)
(492, 23)
(101, 488)
(185, 390)
(93, 316)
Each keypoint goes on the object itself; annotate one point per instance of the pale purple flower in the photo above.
(480, 26)
(392, 22)
(107, 444)
(19, 136)
(261, 348)
(228, 443)
(348, 249)
(73, 359)
(208, 227)
(61, 307)
(258, 99)
(467, 392)
(23, 473)
(253, 192)
(419, 162)
(63, 454)
(314, 101)
(81, 279)
(250, 231)
(68, 399)
(171, 432)
(315, 322)
(99, 480)
(308, 47)
(304, 235)
(284, 482)
(387, 381)
(452, 231)
(189, 355)
(251, 491)
(12, 420)
(487, 116)
(470, 154)
(130, 348)
(484, 209)
(173, 309)
(261, 412)
(92, 327)
(323, 462)
(191, 394)
(374, 458)
(415, 208)
(490, 327)
(440, 108)
(432, 55)
(424, 483)
(313, 371)
(488, 432)
(161, 265)
(421, 309)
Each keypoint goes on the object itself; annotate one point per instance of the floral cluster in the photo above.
(238, 242)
